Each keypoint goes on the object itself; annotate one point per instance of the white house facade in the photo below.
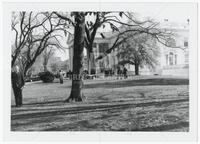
(172, 61)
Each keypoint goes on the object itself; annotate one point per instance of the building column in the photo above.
(71, 58)
(167, 59)
(97, 47)
(97, 63)
(175, 59)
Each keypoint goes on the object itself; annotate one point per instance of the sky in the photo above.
(174, 12)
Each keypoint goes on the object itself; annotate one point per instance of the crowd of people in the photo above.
(122, 72)
(119, 72)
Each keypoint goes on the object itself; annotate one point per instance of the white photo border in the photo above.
(94, 135)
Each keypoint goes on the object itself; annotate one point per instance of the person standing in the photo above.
(118, 72)
(61, 77)
(125, 72)
(18, 83)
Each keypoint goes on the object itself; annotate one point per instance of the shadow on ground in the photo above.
(154, 129)
(92, 108)
(162, 127)
(140, 82)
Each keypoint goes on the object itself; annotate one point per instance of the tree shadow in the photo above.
(92, 108)
(162, 127)
(87, 126)
(140, 82)
(41, 103)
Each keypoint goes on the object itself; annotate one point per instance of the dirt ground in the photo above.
(138, 104)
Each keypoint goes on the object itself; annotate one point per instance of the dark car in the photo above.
(32, 78)
(27, 79)
(35, 78)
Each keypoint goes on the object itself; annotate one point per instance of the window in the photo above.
(185, 43)
(175, 59)
(166, 59)
(171, 58)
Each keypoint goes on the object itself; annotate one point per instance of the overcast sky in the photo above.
(174, 12)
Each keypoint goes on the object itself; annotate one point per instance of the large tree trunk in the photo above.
(77, 83)
(136, 69)
(13, 61)
(89, 62)
(26, 68)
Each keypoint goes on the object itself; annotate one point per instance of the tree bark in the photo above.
(136, 69)
(89, 62)
(77, 83)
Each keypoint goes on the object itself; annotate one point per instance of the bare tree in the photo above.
(77, 82)
(100, 20)
(149, 27)
(54, 67)
(23, 25)
(39, 40)
(112, 19)
(47, 54)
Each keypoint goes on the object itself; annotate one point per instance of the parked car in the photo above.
(27, 79)
(32, 78)
(35, 78)
(47, 76)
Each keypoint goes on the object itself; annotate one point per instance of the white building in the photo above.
(172, 61)
(175, 61)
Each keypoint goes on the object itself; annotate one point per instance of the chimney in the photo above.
(166, 20)
(188, 21)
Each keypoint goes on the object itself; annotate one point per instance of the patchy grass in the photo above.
(139, 104)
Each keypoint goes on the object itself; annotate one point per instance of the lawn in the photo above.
(144, 103)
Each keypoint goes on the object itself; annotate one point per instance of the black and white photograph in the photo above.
(115, 70)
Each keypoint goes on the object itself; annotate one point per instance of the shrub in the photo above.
(46, 77)
(93, 71)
